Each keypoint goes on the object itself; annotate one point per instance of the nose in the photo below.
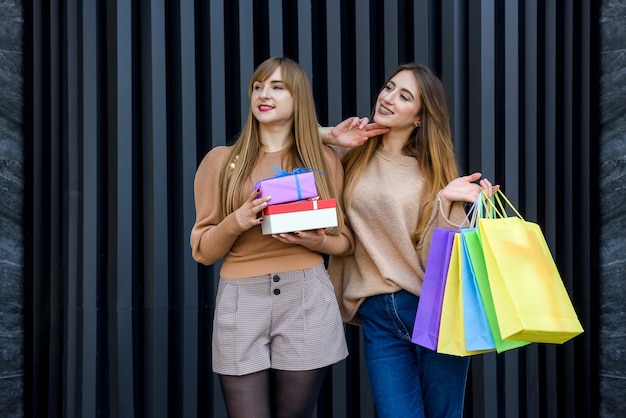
(388, 97)
(265, 92)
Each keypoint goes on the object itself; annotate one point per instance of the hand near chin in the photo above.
(354, 131)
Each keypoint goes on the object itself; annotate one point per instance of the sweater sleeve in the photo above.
(211, 237)
(439, 220)
(342, 244)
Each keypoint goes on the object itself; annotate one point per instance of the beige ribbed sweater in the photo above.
(383, 214)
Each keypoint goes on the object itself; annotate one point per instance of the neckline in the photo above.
(400, 159)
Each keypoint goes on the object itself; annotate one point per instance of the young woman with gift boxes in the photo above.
(398, 187)
(277, 325)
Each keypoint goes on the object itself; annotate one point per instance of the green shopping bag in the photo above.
(474, 249)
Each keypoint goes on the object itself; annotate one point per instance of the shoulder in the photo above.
(216, 156)
(331, 156)
(213, 161)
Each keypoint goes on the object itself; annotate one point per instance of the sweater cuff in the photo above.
(440, 220)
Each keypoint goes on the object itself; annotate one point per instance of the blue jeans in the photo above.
(408, 380)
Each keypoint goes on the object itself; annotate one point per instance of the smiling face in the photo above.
(271, 103)
(398, 105)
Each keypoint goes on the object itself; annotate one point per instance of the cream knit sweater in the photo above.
(383, 214)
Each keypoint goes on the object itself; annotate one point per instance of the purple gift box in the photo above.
(288, 186)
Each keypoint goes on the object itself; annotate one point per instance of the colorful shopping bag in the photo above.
(426, 328)
(473, 246)
(451, 328)
(530, 300)
(478, 335)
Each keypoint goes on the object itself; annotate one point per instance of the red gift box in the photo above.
(299, 216)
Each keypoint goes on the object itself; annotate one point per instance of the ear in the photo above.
(418, 122)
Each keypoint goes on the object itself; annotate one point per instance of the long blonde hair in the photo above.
(305, 150)
(430, 144)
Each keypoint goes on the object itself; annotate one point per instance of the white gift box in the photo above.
(299, 216)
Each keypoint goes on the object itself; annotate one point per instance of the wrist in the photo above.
(326, 135)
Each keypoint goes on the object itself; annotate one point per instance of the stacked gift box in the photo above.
(295, 203)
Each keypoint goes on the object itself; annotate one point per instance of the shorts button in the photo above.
(276, 278)
(277, 291)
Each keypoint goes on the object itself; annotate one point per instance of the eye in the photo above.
(257, 87)
(405, 97)
(388, 87)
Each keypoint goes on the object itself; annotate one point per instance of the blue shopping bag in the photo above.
(478, 335)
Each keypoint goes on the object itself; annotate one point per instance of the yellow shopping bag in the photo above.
(529, 297)
(452, 328)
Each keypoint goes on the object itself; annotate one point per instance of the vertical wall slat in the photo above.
(217, 75)
(78, 354)
(305, 38)
(246, 58)
(52, 182)
(551, 164)
(155, 233)
(487, 101)
(365, 94)
(187, 321)
(511, 170)
(120, 183)
(423, 29)
(390, 35)
(89, 139)
(275, 19)
(334, 46)
(586, 259)
(567, 224)
(217, 45)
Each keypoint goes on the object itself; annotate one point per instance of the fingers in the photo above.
(306, 238)
(248, 212)
(488, 188)
(356, 122)
(473, 177)
(375, 125)
(253, 194)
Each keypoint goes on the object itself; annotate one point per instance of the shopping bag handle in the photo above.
(470, 217)
(485, 207)
(478, 210)
(501, 212)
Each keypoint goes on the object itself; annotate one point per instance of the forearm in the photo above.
(338, 245)
(211, 243)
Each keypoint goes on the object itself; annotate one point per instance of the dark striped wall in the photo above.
(123, 98)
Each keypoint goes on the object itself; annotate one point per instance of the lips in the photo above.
(265, 108)
(384, 110)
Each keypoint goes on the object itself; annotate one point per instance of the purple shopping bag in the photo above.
(426, 328)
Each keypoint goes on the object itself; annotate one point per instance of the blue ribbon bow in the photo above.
(282, 173)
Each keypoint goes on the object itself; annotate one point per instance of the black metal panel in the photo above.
(125, 98)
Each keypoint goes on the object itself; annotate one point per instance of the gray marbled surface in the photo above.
(613, 209)
(11, 198)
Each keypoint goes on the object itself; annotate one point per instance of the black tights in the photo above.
(272, 393)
